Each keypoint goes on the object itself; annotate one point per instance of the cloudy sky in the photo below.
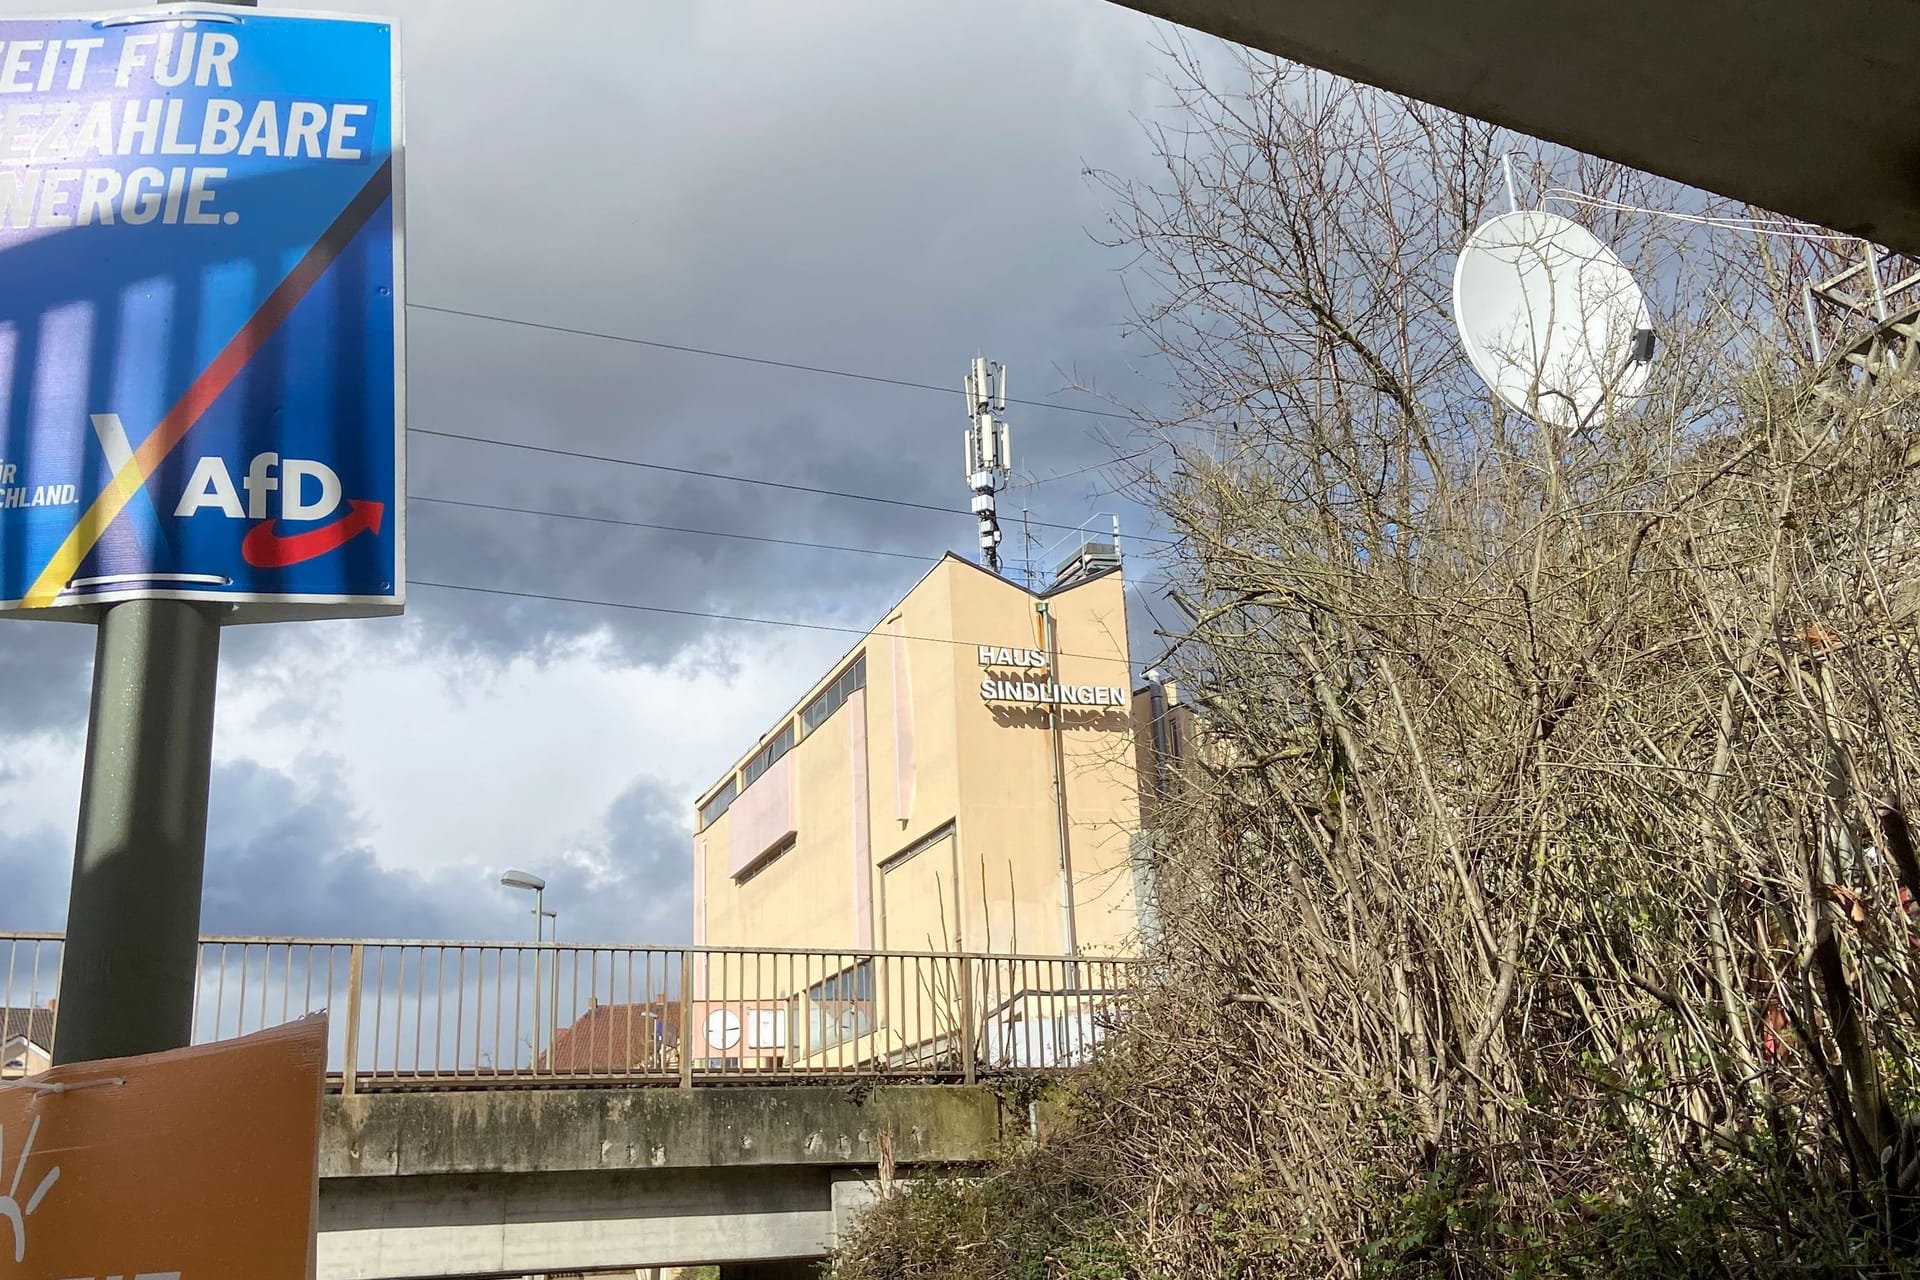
(867, 185)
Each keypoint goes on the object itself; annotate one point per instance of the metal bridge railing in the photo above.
(416, 1014)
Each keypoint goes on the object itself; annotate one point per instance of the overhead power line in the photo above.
(802, 543)
(789, 623)
(584, 456)
(613, 460)
(669, 528)
(743, 358)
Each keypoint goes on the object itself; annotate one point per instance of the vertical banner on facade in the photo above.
(197, 1164)
(201, 355)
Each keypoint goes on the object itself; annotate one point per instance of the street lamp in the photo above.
(515, 879)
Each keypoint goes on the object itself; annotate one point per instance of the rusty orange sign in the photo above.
(198, 1164)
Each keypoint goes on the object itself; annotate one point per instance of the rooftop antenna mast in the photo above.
(1026, 535)
(989, 451)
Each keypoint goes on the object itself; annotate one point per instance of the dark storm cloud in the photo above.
(44, 672)
(650, 848)
(835, 185)
(35, 868)
(674, 570)
(285, 858)
(702, 178)
(282, 858)
(878, 210)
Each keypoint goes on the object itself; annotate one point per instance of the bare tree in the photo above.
(1539, 899)
(1552, 828)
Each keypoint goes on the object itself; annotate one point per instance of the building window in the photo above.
(766, 860)
(763, 758)
(835, 695)
(722, 800)
(848, 984)
(840, 1008)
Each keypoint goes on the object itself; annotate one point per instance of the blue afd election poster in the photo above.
(201, 356)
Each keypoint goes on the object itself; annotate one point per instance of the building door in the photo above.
(919, 910)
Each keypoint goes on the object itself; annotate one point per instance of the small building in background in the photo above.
(616, 1040)
(26, 1042)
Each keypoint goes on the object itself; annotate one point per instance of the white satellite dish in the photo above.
(1551, 318)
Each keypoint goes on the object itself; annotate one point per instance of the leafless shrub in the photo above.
(1538, 899)
(1549, 840)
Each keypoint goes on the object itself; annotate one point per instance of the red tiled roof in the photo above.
(616, 1037)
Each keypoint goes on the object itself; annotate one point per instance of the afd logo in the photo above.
(279, 489)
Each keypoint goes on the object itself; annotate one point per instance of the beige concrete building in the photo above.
(965, 778)
(939, 789)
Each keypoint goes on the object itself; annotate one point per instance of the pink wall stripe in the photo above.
(856, 711)
(761, 816)
(903, 764)
(699, 890)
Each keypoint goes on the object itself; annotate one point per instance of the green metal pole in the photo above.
(139, 858)
(133, 917)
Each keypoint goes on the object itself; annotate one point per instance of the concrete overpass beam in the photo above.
(506, 1183)
(515, 1224)
(551, 1130)
(1810, 109)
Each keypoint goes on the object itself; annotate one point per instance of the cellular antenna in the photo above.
(989, 451)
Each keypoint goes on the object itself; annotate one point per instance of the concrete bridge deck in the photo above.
(507, 1182)
(1809, 109)
(506, 1109)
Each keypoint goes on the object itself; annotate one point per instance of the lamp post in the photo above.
(514, 879)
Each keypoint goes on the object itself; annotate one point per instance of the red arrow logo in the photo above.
(265, 549)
